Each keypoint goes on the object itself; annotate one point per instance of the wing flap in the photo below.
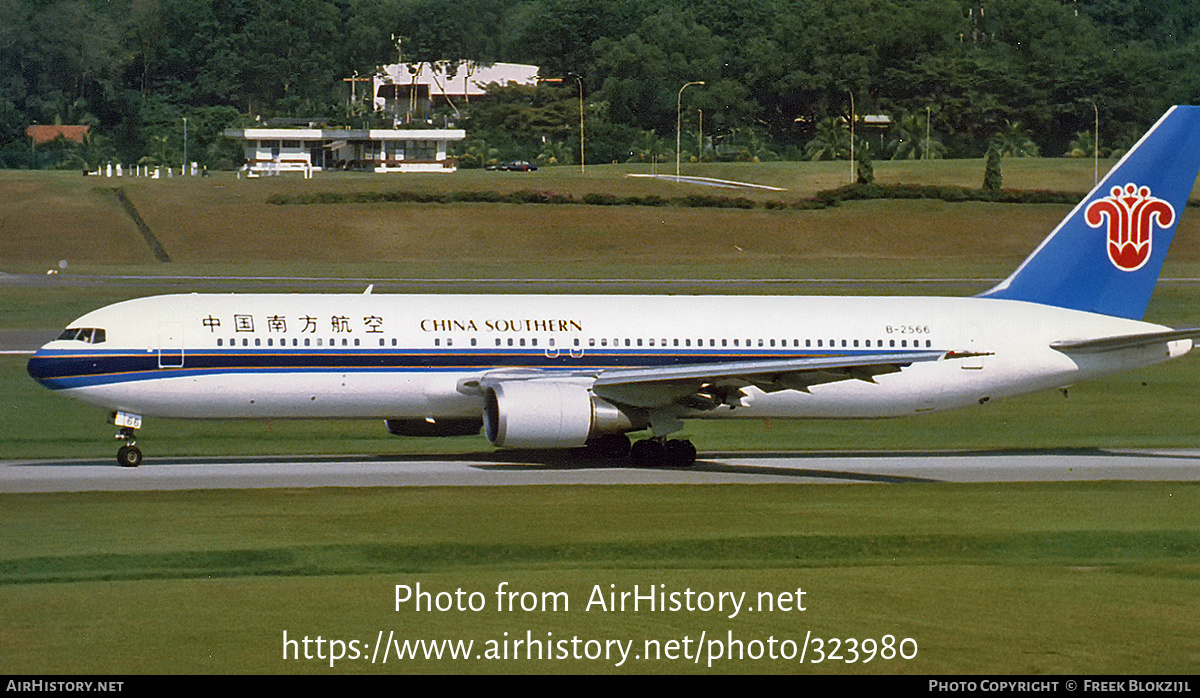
(707, 386)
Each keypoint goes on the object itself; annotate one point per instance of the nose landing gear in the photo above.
(129, 455)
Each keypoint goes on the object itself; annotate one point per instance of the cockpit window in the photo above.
(90, 335)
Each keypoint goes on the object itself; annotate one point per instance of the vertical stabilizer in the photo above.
(1106, 255)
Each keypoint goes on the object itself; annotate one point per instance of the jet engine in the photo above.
(549, 414)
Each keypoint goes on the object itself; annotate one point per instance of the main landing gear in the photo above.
(129, 455)
(648, 453)
(663, 453)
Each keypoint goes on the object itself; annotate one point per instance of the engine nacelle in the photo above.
(549, 414)
(441, 427)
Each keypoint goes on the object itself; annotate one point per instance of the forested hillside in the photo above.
(778, 73)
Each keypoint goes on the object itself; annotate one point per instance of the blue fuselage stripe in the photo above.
(64, 369)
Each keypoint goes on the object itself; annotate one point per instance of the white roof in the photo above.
(456, 78)
(315, 134)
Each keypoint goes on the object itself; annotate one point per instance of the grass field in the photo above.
(1015, 578)
(1020, 578)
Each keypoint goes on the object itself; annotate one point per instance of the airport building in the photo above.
(276, 150)
(408, 91)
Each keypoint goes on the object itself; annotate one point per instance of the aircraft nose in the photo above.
(40, 367)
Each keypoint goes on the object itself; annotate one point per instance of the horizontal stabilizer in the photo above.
(1125, 341)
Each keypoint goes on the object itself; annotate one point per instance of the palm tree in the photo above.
(555, 153)
(1081, 146)
(1015, 140)
(751, 146)
(648, 146)
(831, 142)
(476, 153)
(912, 139)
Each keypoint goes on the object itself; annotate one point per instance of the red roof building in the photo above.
(45, 134)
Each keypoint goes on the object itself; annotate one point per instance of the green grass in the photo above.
(992, 578)
(224, 223)
(1028, 578)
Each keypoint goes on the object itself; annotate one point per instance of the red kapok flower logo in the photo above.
(1130, 212)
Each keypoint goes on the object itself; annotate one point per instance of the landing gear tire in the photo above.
(679, 454)
(657, 453)
(649, 453)
(129, 456)
(609, 447)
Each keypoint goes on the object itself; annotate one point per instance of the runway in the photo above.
(514, 469)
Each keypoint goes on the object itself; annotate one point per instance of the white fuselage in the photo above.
(408, 356)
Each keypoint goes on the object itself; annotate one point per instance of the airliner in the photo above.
(570, 371)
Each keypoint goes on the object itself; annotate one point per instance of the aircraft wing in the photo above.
(707, 386)
(1125, 341)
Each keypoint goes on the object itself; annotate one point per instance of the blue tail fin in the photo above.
(1105, 257)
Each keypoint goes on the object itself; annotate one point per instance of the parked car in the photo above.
(514, 166)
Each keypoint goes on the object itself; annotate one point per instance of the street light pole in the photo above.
(1095, 145)
(928, 116)
(185, 164)
(679, 121)
(580, 82)
(851, 92)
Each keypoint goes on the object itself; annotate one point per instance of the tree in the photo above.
(862, 157)
(1014, 140)
(556, 153)
(831, 142)
(913, 139)
(648, 147)
(992, 178)
(1081, 146)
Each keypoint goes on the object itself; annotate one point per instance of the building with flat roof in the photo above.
(44, 134)
(274, 150)
(407, 90)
